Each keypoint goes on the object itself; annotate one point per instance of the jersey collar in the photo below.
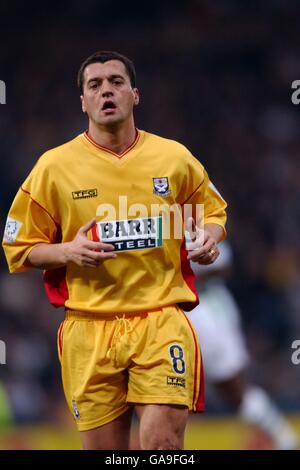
(105, 149)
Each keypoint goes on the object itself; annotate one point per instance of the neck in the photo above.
(116, 139)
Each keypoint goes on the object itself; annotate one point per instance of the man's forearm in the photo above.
(216, 231)
(48, 256)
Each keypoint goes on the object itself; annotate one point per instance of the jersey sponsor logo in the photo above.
(84, 193)
(161, 186)
(12, 229)
(75, 409)
(132, 234)
(177, 381)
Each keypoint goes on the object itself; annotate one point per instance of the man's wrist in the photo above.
(215, 231)
(64, 255)
(210, 233)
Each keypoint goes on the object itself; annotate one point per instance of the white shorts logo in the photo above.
(75, 409)
(11, 231)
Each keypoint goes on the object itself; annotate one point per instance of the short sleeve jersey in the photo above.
(131, 196)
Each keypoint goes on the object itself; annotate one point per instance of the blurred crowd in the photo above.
(217, 77)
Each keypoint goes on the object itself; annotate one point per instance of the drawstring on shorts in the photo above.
(120, 338)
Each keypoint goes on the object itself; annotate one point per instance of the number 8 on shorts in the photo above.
(177, 357)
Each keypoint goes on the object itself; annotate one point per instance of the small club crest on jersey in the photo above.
(75, 409)
(11, 231)
(161, 186)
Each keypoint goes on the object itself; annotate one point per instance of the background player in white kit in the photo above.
(217, 322)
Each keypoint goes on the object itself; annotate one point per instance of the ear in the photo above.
(136, 96)
(82, 104)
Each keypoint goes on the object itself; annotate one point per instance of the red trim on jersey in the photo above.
(193, 193)
(198, 395)
(89, 138)
(54, 279)
(38, 204)
(189, 277)
(56, 286)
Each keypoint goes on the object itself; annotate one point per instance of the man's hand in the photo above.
(80, 251)
(84, 252)
(203, 248)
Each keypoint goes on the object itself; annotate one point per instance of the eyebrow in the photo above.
(111, 77)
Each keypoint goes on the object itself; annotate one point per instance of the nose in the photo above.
(106, 89)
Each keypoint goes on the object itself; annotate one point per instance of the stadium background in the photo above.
(217, 77)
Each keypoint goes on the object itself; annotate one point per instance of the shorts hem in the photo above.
(88, 426)
(150, 400)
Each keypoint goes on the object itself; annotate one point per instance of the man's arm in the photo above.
(80, 251)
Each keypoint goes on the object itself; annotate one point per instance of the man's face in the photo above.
(108, 97)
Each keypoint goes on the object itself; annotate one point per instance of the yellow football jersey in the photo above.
(130, 195)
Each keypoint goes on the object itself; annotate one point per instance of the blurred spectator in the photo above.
(225, 356)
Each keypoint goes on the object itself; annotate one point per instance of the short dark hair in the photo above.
(102, 57)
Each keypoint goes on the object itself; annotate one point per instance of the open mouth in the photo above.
(108, 106)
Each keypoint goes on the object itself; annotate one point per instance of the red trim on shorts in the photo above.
(56, 286)
(60, 338)
(200, 404)
(189, 277)
(198, 396)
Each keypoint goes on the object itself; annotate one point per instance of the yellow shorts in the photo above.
(111, 362)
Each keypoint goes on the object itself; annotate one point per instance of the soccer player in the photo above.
(225, 356)
(92, 214)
